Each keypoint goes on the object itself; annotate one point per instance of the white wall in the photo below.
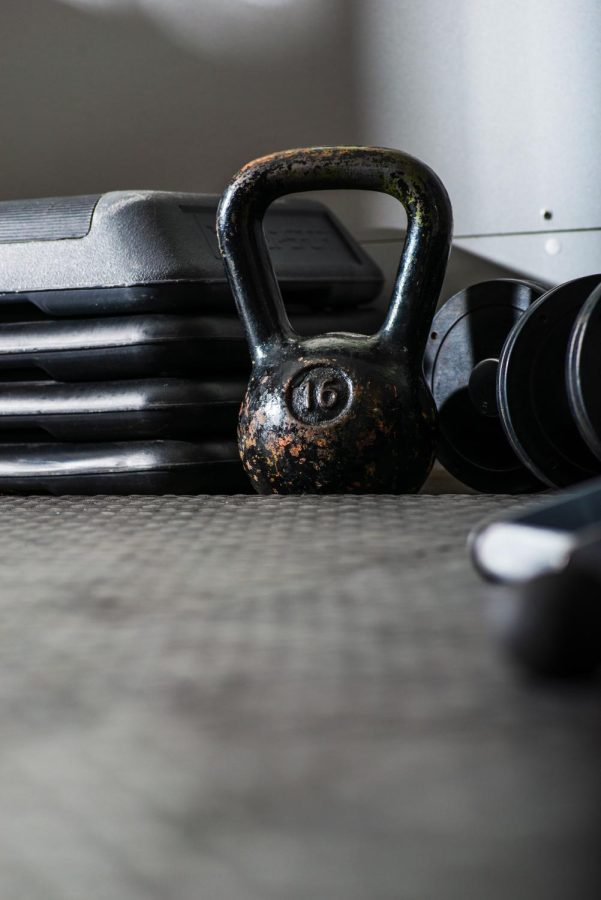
(501, 97)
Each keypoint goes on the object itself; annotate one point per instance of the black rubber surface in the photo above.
(245, 698)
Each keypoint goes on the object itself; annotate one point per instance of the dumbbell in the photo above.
(512, 371)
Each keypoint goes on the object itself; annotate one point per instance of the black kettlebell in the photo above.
(337, 412)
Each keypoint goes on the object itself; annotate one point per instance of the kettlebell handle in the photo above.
(423, 261)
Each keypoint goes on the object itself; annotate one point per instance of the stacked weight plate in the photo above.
(122, 358)
(515, 372)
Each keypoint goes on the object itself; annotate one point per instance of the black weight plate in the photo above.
(460, 363)
(532, 392)
(120, 410)
(146, 346)
(583, 371)
(136, 467)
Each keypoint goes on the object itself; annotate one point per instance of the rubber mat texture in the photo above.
(245, 698)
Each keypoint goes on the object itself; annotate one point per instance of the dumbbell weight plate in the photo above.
(584, 369)
(532, 395)
(460, 365)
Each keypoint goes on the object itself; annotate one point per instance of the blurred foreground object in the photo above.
(547, 613)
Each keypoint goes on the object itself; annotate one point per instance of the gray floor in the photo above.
(255, 698)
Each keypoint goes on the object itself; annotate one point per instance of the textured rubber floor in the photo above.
(244, 698)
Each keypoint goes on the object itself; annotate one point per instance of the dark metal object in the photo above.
(147, 345)
(338, 412)
(154, 251)
(532, 394)
(583, 372)
(460, 366)
(541, 538)
(551, 625)
(132, 467)
(548, 557)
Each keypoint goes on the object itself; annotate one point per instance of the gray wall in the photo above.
(502, 98)
(167, 94)
(499, 96)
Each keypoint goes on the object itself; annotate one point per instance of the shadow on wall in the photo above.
(169, 94)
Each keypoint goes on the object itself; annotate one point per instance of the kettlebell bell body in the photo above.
(337, 412)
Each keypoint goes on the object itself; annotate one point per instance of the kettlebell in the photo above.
(336, 413)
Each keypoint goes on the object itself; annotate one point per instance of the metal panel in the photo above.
(554, 257)
(501, 98)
